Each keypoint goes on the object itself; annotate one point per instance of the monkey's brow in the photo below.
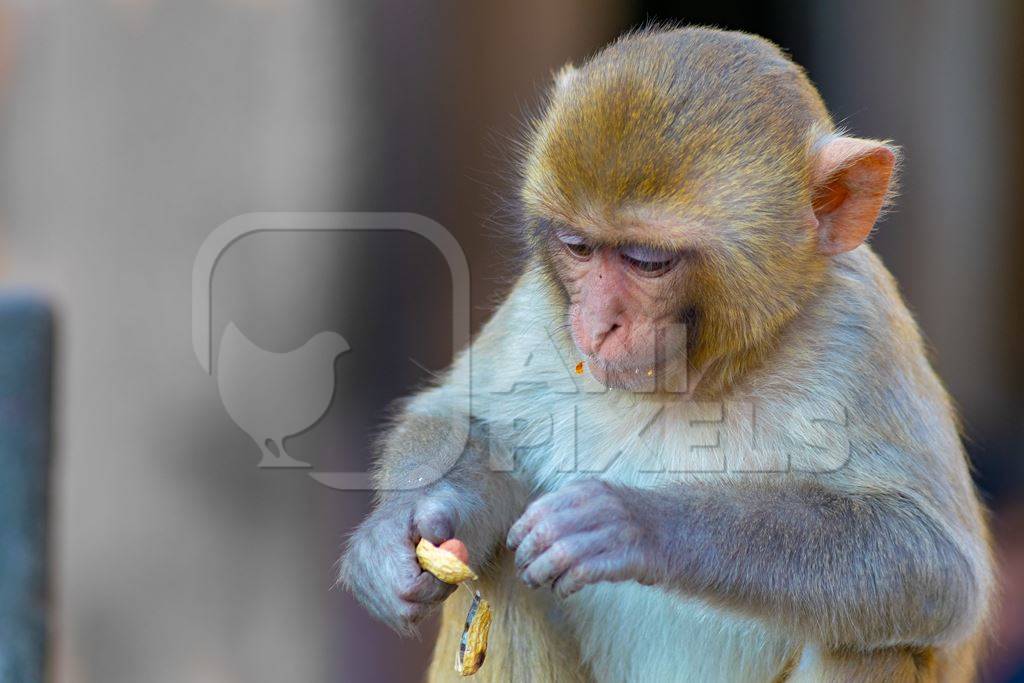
(552, 226)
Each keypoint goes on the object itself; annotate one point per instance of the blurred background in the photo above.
(130, 129)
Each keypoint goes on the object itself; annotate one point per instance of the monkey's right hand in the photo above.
(380, 569)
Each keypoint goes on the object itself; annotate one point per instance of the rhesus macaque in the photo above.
(758, 476)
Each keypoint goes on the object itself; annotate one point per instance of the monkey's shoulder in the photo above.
(855, 335)
(856, 347)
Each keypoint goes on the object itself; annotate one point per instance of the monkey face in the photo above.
(627, 311)
(697, 188)
(649, 317)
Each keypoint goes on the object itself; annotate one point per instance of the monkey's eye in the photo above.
(648, 260)
(575, 245)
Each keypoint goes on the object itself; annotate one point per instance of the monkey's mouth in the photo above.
(625, 366)
(629, 376)
(670, 355)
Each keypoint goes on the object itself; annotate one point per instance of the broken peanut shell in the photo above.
(442, 563)
(473, 647)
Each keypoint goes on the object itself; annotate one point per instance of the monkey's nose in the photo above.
(602, 334)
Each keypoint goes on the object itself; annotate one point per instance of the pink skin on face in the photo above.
(615, 314)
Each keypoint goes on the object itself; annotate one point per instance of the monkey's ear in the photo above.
(565, 76)
(851, 180)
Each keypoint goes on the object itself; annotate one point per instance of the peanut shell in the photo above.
(443, 564)
(473, 648)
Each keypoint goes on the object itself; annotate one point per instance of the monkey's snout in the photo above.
(601, 336)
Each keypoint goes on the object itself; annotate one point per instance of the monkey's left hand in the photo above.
(583, 533)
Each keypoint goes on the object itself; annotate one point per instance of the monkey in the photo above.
(700, 439)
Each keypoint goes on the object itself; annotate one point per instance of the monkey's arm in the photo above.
(863, 569)
(435, 480)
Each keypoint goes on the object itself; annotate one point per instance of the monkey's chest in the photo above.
(629, 632)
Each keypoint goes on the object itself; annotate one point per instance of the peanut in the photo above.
(443, 563)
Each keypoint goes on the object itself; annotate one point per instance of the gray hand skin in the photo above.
(467, 501)
(380, 566)
(840, 567)
(583, 533)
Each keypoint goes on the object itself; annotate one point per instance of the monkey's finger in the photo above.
(578, 496)
(427, 589)
(568, 583)
(534, 513)
(517, 533)
(536, 541)
(532, 518)
(592, 570)
(557, 526)
(433, 523)
(562, 555)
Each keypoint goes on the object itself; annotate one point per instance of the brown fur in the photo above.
(655, 116)
(525, 644)
(894, 665)
(636, 136)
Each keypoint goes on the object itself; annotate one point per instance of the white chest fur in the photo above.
(629, 632)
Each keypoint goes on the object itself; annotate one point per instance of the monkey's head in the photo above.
(691, 178)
